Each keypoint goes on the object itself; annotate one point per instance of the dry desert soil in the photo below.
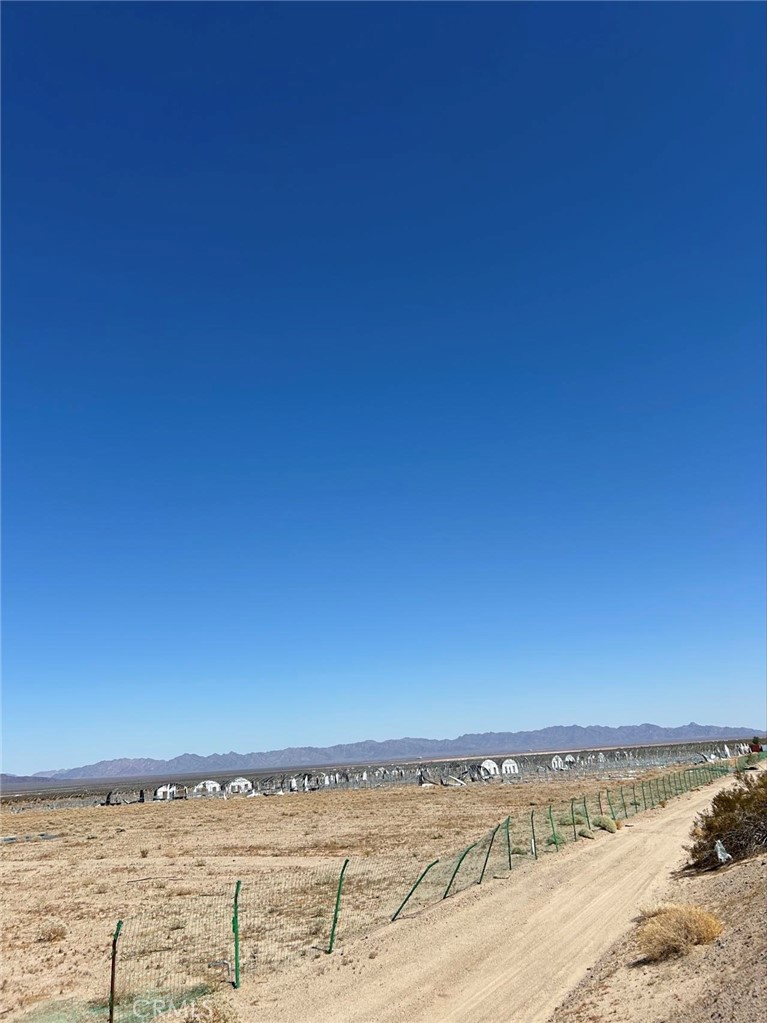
(518, 949)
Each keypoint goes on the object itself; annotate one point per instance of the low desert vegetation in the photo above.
(53, 930)
(673, 930)
(605, 824)
(737, 819)
(566, 819)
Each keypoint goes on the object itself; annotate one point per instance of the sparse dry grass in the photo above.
(52, 930)
(671, 929)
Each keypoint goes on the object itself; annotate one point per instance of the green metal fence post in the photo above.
(623, 800)
(235, 932)
(405, 901)
(635, 803)
(644, 796)
(113, 976)
(532, 830)
(461, 858)
(487, 854)
(507, 826)
(610, 803)
(332, 941)
(572, 818)
(554, 834)
(586, 812)
(599, 800)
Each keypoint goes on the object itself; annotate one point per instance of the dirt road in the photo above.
(506, 953)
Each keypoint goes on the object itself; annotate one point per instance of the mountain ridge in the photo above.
(370, 750)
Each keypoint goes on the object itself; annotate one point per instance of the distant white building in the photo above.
(509, 766)
(170, 791)
(557, 763)
(239, 786)
(206, 788)
(490, 767)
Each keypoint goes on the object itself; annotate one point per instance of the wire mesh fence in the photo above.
(170, 956)
(373, 889)
(286, 913)
(167, 955)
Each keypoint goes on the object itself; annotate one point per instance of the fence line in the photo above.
(162, 958)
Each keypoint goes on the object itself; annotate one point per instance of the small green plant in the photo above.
(519, 850)
(605, 824)
(555, 839)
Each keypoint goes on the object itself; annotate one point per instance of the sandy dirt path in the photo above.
(506, 953)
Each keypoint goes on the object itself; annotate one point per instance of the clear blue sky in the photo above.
(379, 369)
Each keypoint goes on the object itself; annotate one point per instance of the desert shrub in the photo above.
(143, 853)
(737, 818)
(585, 833)
(555, 839)
(566, 819)
(519, 850)
(618, 823)
(52, 930)
(673, 930)
(650, 911)
(605, 823)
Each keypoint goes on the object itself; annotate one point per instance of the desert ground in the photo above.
(507, 951)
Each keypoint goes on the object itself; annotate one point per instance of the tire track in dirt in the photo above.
(506, 953)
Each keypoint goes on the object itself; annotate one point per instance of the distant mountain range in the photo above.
(14, 779)
(559, 737)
